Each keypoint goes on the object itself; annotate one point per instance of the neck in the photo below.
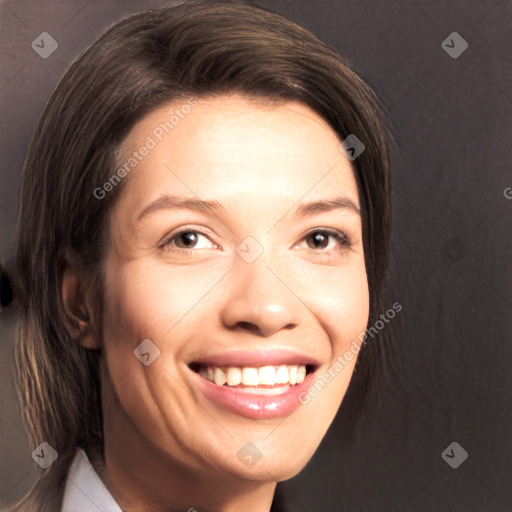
(141, 476)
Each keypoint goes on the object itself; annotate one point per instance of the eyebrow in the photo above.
(326, 205)
(168, 202)
(174, 202)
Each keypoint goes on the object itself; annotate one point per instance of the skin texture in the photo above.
(168, 447)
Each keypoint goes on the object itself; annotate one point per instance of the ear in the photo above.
(76, 303)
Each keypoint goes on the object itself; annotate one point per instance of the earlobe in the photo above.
(75, 310)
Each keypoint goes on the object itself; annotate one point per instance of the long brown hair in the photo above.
(199, 48)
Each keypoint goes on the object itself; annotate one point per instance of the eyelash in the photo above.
(340, 236)
(167, 242)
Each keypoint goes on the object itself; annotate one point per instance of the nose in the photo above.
(259, 301)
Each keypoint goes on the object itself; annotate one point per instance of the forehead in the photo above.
(230, 146)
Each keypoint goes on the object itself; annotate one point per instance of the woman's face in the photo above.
(235, 253)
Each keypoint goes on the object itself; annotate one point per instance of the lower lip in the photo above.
(254, 406)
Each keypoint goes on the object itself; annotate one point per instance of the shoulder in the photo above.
(84, 490)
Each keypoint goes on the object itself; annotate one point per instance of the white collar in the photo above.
(85, 492)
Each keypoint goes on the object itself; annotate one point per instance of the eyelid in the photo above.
(343, 239)
(341, 236)
(165, 241)
(329, 231)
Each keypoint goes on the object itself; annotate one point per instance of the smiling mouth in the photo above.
(254, 384)
(262, 380)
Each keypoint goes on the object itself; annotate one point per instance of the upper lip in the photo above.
(252, 358)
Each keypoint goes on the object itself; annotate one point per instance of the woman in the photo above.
(203, 239)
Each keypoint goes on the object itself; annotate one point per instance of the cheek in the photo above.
(345, 307)
(150, 300)
(147, 300)
(338, 298)
(140, 305)
(136, 309)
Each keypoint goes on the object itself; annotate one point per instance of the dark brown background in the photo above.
(449, 377)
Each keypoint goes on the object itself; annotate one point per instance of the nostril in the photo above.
(248, 326)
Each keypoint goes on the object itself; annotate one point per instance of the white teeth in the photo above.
(254, 377)
(282, 374)
(301, 374)
(292, 375)
(250, 376)
(234, 376)
(267, 375)
(219, 376)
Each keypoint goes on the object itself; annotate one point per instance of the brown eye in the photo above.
(327, 241)
(186, 240)
(318, 240)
